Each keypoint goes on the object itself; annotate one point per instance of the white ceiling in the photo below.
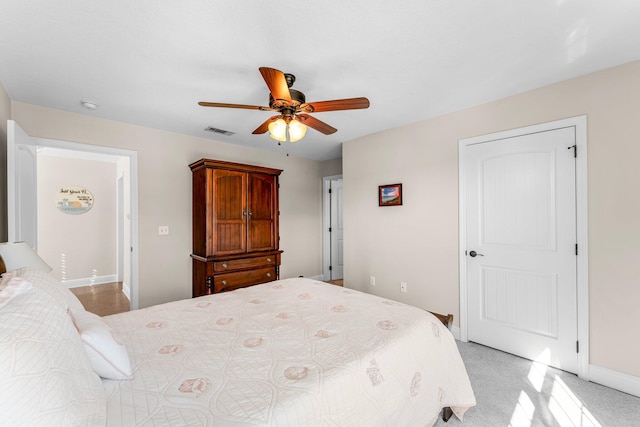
(149, 62)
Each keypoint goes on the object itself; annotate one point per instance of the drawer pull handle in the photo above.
(268, 259)
(224, 282)
(224, 265)
(268, 274)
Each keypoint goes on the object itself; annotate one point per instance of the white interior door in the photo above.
(337, 231)
(22, 160)
(520, 206)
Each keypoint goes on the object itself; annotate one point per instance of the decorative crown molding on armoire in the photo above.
(235, 226)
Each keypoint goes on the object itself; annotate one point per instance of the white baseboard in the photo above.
(126, 290)
(88, 281)
(614, 379)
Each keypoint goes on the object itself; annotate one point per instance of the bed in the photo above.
(294, 352)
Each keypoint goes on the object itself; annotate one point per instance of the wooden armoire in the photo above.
(235, 226)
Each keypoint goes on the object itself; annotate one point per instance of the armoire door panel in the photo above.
(230, 212)
(230, 195)
(227, 240)
(261, 233)
(261, 194)
(261, 201)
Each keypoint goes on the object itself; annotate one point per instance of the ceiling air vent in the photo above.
(222, 131)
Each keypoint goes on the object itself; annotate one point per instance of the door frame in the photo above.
(133, 182)
(326, 222)
(579, 123)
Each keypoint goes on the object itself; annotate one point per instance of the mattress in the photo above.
(294, 352)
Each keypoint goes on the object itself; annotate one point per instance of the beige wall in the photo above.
(164, 194)
(418, 242)
(77, 246)
(5, 114)
(331, 167)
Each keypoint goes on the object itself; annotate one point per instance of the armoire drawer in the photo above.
(241, 279)
(245, 263)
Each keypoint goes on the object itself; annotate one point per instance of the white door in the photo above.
(21, 185)
(337, 227)
(521, 246)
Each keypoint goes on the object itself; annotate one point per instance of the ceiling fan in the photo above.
(292, 118)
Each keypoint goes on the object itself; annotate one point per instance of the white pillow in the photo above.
(45, 375)
(108, 356)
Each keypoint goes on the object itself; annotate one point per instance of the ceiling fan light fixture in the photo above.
(282, 131)
(297, 130)
(278, 130)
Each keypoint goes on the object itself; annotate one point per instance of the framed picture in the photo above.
(390, 195)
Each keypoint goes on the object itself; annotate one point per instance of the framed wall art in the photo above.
(390, 195)
(74, 200)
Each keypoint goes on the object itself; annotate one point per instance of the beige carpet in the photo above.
(511, 391)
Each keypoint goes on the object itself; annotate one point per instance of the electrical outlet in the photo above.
(163, 230)
(372, 280)
(403, 287)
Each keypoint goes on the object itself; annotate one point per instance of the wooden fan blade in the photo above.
(338, 104)
(316, 124)
(243, 106)
(277, 83)
(264, 127)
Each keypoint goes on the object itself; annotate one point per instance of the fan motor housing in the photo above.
(297, 98)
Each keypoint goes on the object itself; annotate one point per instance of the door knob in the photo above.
(473, 254)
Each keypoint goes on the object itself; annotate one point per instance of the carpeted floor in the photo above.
(515, 392)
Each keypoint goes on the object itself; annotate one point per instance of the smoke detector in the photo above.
(89, 105)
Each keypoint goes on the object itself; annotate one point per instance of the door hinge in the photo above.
(329, 229)
(577, 346)
(575, 150)
(576, 249)
(329, 191)
(330, 268)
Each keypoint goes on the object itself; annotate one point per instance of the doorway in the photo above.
(523, 243)
(22, 188)
(332, 226)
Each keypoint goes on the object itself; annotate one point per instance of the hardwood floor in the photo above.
(104, 299)
(336, 282)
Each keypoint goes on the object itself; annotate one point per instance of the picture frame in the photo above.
(390, 195)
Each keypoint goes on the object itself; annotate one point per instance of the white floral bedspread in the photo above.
(295, 352)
